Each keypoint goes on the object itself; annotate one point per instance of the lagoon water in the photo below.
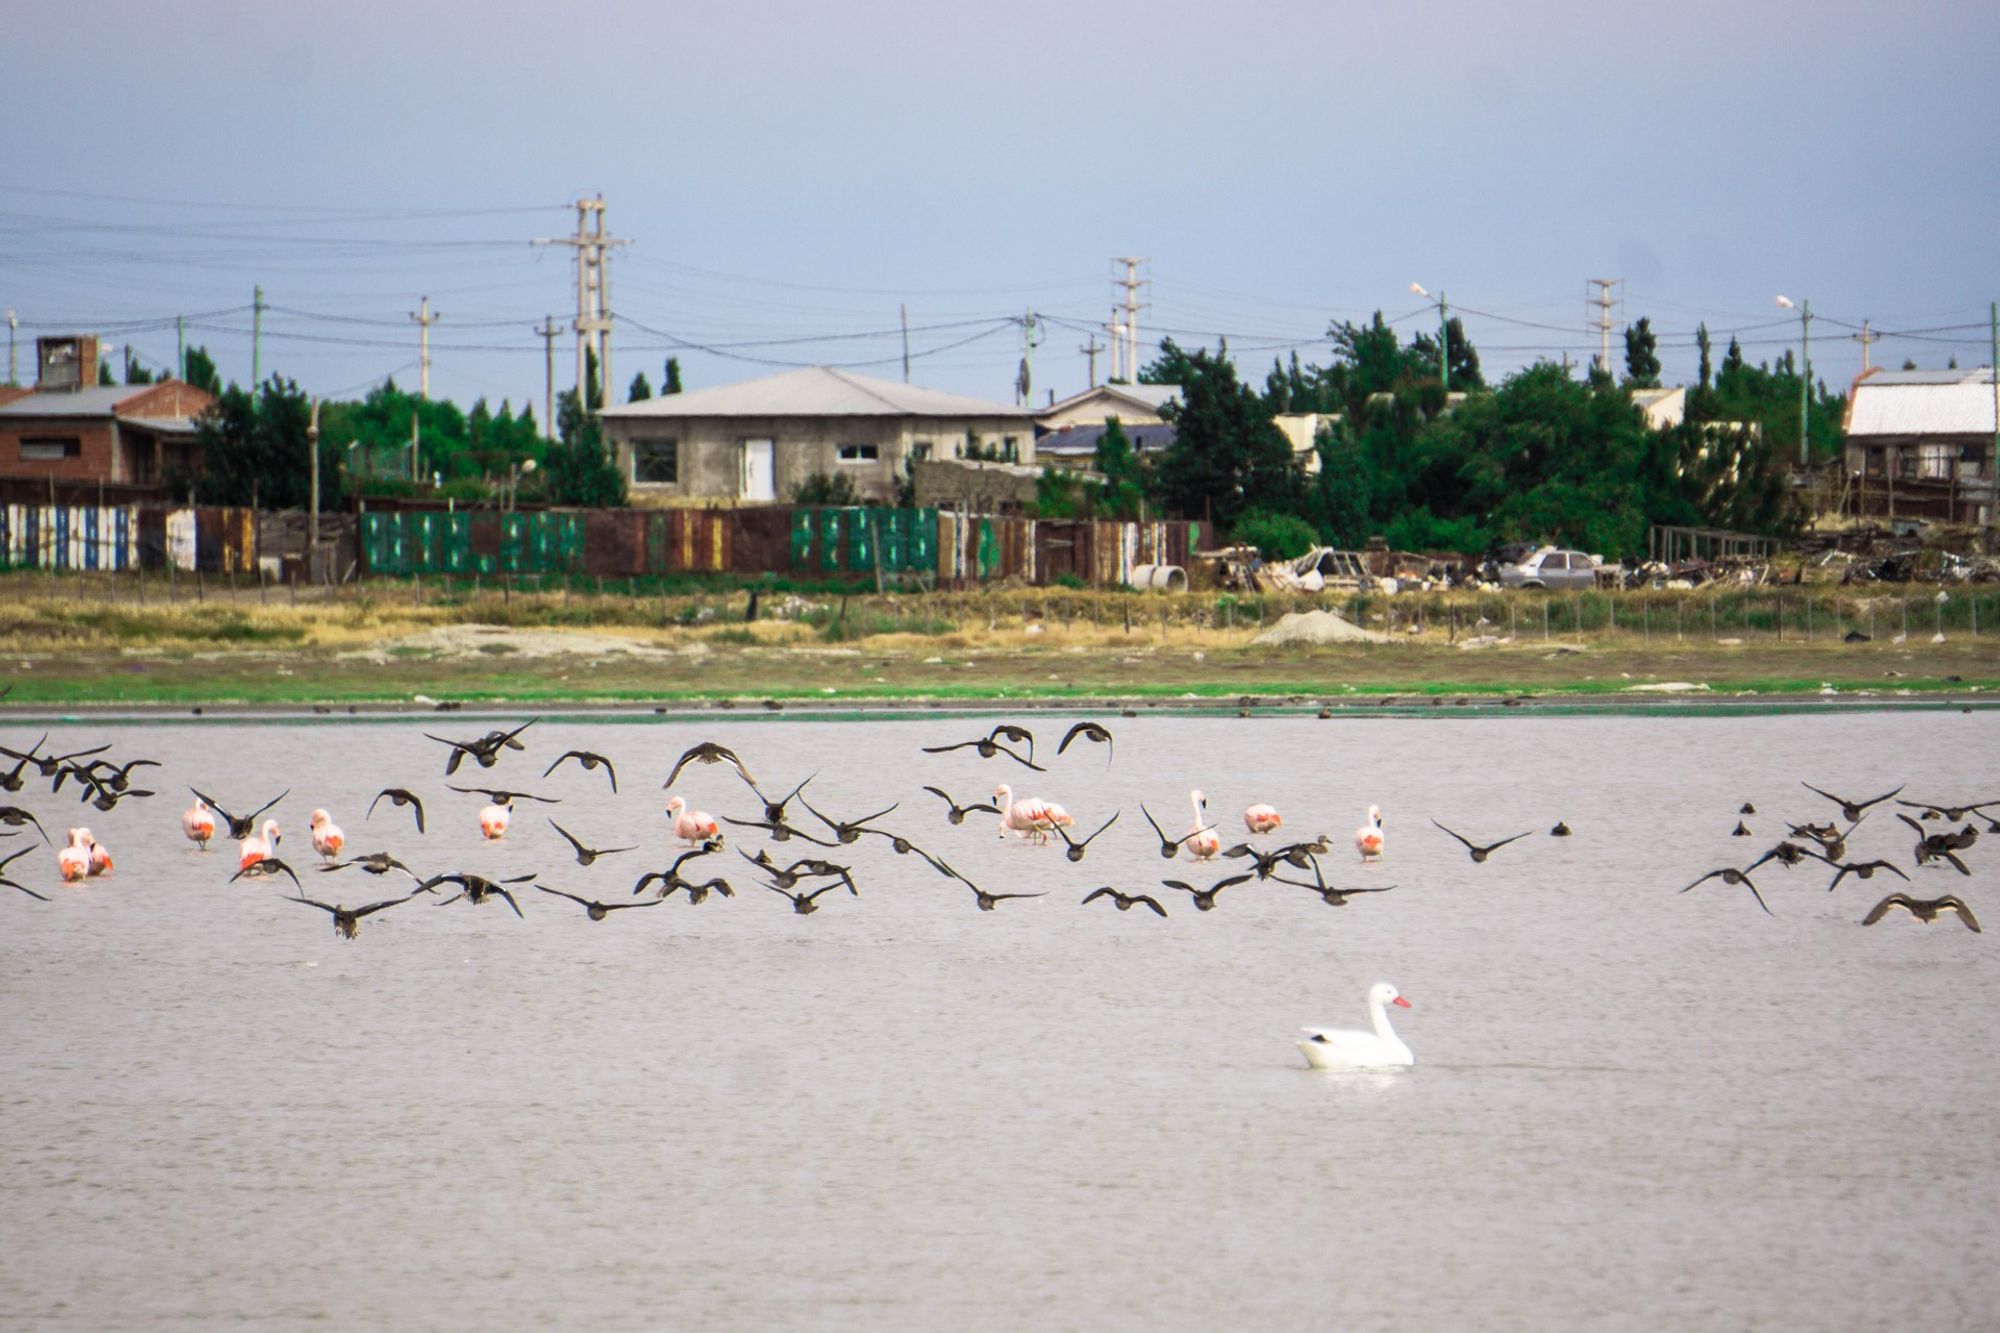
(1633, 1108)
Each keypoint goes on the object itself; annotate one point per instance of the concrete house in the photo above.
(71, 428)
(1132, 404)
(1920, 444)
(755, 442)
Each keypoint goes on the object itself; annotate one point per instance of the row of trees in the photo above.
(1541, 456)
(254, 445)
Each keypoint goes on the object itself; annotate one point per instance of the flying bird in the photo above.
(477, 888)
(1171, 847)
(956, 813)
(1480, 853)
(586, 855)
(399, 797)
(779, 830)
(1859, 869)
(1852, 811)
(1074, 849)
(1926, 910)
(347, 920)
(375, 863)
(804, 903)
(241, 826)
(266, 867)
(848, 830)
(485, 750)
(989, 745)
(1950, 813)
(1125, 901)
(1731, 875)
(1204, 899)
(708, 752)
(671, 878)
(9, 860)
(590, 761)
(593, 909)
(1089, 731)
(14, 817)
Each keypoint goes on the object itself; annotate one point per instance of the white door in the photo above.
(760, 478)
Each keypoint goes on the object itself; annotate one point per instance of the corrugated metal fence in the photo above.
(931, 544)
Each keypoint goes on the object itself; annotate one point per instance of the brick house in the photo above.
(71, 429)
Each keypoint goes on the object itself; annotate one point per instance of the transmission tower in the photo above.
(1603, 321)
(593, 321)
(1131, 282)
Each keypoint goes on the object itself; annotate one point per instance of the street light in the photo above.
(1444, 365)
(1805, 355)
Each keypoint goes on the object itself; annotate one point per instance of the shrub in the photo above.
(1276, 536)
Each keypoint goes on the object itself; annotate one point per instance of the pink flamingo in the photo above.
(100, 857)
(327, 839)
(198, 823)
(73, 861)
(258, 846)
(1368, 838)
(690, 826)
(1202, 842)
(1029, 816)
(493, 819)
(1262, 818)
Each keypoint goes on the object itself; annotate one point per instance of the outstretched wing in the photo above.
(1882, 909)
(1461, 837)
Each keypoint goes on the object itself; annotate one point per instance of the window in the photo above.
(1557, 560)
(50, 449)
(656, 462)
(1013, 455)
(859, 453)
(920, 449)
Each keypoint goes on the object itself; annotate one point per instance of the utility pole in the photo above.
(1131, 283)
(1117, 330)
(1090, 350)
(12, 324)
(1993, 468)
(256, 337)
(593, 321)
(1024, 385)
(548, 331)
(312, 513)
(180, 348)
(906, 341)
(1867, 340)
(1603, 321)
(422, 314)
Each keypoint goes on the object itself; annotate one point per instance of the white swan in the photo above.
(1347, 1048)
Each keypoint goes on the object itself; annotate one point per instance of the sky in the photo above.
(793, 175)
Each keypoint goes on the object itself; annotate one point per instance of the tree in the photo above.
(1642, 360)
(104, 376)
(200, 371)
(1123, 492)
(670, 376)
(640, 390)
(134, 372)
(1701, 340)
(1732, 360)
(1227, 454)
(253, 448)
(823, 489)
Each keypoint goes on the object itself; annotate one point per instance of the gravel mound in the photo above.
(1317, 627)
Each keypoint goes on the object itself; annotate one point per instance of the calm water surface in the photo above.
(1632, 1108)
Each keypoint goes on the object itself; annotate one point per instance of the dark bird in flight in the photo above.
(241, 826)
(1731, 875)
(1852, 811)
(48, 765)
(1478, 852)
(501, 796)
(375, 863)
(102, 773)
(1090, 731)
(1074, 849)
(774, 811)
(1829, 836)
(399, 797)
(1787, 854)
(485, 751)
(347, 920)
(476, 888)
(1204, 899)
(100, 793)
(698, 893)
(15, 816)
(269, 867)
(586, 855)
(671, 878)
(1171, 847)
(1330, 894)
(848, 830)
(956, 813)
(593, 909)
(590, 761)
(1860, 870)
(989, 745)
(1936, 846)
(804, 903)
(1925, 910)
(1125, 901)
(988, 901)
(1950, 813)
(779, 830)
(708, 752)
(805, 868)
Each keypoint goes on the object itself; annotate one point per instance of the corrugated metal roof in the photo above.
(1082, 440)
(1923, 402)
(162, 425)
(814, 391)
(96, 401)
(1152, 397)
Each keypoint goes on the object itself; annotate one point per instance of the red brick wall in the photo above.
(93, 461)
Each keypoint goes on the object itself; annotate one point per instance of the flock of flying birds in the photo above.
(702, 856)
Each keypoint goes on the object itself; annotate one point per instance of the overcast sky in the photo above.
(790, 174)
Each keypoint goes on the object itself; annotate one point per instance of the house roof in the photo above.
(105, 400)
(1150, 397)
(1081, 441)
(814, 391)
(1922, 402)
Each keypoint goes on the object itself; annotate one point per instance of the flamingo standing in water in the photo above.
(692, 827)
(1261, 818)
(327, 839)
(1368, 838)
(1203, 842)
(199, 823)
(73, 861)
(1030, 816)
(258, 846)
(493, 819)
